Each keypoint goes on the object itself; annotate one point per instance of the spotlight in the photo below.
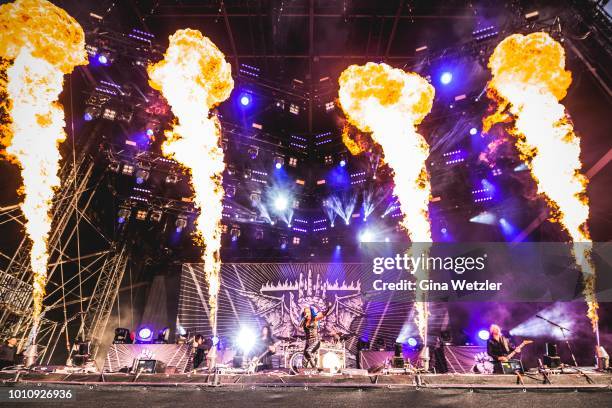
(366, 236)
(245, 99)
(245, 339)
(473, 131)
(281, 203)
(412, 342)
(180, 223)
(141, 215)
(446, 78)
(342, 163)
(103, 59)
(483, 334)
(144, 335)
(123, 215)
(278, 162)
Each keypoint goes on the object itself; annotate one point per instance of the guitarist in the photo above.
(499, 349)
(310, 324)
(265, 348)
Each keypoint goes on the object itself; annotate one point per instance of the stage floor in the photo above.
(271, 390)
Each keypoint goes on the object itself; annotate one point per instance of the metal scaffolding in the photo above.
(81, 287)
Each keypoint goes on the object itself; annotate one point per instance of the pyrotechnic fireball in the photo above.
(390, 103)
(41, 43)
(529, 80)
(194, 77)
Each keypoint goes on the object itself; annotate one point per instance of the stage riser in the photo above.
(421, 381)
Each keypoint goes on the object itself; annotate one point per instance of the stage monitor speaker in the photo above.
(512, 366)
(150, 366)
(552, 361)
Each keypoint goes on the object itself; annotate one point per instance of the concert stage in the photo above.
(280, 389)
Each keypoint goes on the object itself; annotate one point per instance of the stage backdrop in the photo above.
(255, 294)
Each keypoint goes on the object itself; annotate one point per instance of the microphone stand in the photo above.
(563, 331)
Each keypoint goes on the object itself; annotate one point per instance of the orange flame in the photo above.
(390, 103)
(529, 80)
(43, 43)
(194, 77)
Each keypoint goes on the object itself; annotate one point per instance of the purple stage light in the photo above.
(446, 78)
(412, 342)
(144, 334)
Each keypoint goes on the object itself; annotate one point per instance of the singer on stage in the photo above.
(310, 325)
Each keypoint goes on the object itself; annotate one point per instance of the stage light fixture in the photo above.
(342, 163)
(142, 175)
(245, 99)
(283, 242)
(412, 342)
(141, 215)
(446, 78)
(253, 152)
(245, 340)
(103, 58)
(91, 113)
(473, 131)
(156, 215)
(329, 106)
(109, 114)
(483, 335)
(123, 215)
(295, 109)
(172, 178)
(144, 335)
(281, 203)
(235, 233)
(296, 240)
(366, 236)
(114, 166)
(293, 161)
(278, 162)
(180, 223)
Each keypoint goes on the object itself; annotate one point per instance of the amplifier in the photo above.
(552, 361)
(149, 366)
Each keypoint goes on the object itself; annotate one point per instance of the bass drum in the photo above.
(296, 361)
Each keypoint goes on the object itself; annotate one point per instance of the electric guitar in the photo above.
(518, 349)
(255, 361)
